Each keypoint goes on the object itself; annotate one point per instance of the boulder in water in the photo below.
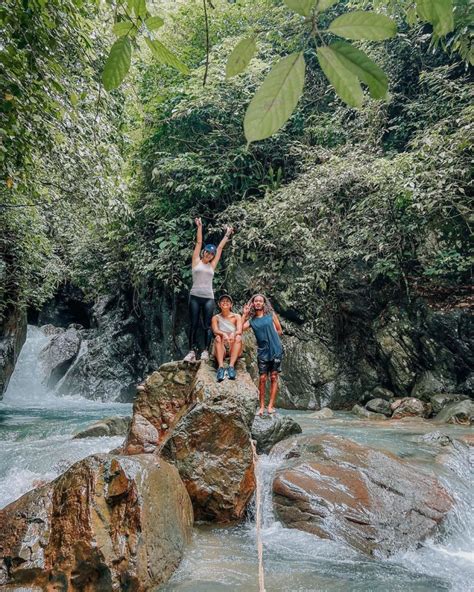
(410, 407)
(108, 523)
(379, 406)
(57, 356)
(324, 413)
(441, 400)
(211, 445)
(366, 414)
(460, 413)
(337, 489)
(109, 426)
(270, 429)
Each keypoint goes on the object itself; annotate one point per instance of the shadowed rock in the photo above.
(337, 489)
(57, 356)
(109, 426)
(379, 406)
(442, 400)
(270, 429)
(108, 523)
(366, 414)
(461, 413)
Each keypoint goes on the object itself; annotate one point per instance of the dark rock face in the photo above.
(461, 413)
(108, 523)
(57, 356)
(335, 488)
(109, 426)
(364, 413)
(12, 338)
(210, 445)
(270, 429)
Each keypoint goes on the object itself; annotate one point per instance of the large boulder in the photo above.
(379, 406)
(269, 429)
(441, 400)
(337, 489)
(109, 426)
(108, 523)
(12, 338)
(211, 445)
(364, 413)
(164, 397)
(460, 413)
(57, 356)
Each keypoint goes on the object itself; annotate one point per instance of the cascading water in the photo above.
(226, 558)
(36, 426)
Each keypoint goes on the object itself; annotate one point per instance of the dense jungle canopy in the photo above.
(99, 188)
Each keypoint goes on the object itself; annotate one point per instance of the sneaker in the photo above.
(231, 373)
(220, 374)
(205, 355)
(190, 357)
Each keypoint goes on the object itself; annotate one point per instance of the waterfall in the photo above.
(36, 427)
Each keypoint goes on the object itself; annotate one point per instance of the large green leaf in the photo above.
(357, 62)
(345, 83)
(363, 25)
(123, 28)
(276, 98)
(154, 22)
(302, 7)
(117, 64)
(437, 12)
(240, 56)
(165, 56)
(139, 7)
(324, 4)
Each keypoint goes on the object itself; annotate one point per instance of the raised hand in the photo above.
(246, 310)
(198, 222)
(228, 231)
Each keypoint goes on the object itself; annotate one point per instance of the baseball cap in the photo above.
(226, 296)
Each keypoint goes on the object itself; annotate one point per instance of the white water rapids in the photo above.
(35, 444)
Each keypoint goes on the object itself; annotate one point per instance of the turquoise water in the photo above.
(36, 445)
(36, 427)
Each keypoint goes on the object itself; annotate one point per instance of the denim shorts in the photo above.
(268, 366)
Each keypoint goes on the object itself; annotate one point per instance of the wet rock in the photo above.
(436, 438)
(379, 406)
(109, 426)
(381, 392)
(429, 383)
(12, 338)
(467, 387)
(57, 356)
(211, 445)
(324, 413)
(51, 330)
(460, 413)
(164, 397)
(108, 523)
(410, 407)
(337, 489)
(366, 414)
(441, 400)
(270, 429)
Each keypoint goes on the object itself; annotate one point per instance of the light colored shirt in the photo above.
(203, 274)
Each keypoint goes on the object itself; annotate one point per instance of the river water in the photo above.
(36, 444)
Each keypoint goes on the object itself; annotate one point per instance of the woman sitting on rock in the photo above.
(201, 297)
(227, 329)
(260, 316)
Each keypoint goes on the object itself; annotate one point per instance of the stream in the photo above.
(35, 434)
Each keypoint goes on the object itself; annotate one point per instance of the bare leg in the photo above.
(235, 350)
(261, 392)
(219, 351)
(273, 391)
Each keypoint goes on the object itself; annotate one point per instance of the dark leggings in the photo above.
(207, 305)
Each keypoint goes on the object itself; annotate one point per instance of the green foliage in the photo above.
(240, 57)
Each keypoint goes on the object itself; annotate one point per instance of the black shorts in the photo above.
(268, 366)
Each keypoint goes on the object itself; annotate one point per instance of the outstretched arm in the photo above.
(198, 247)
(276, 322)
(221, 245)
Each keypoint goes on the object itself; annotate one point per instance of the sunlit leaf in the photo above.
(363, 25)
(117, 64)
(123, 28)
(357, 62)
(165, 56)
(325, 4)
(154, 22)
(276, 98)
(345, 83)
(240, 56)
(438, 13)
(302, 7)
(74, 99)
